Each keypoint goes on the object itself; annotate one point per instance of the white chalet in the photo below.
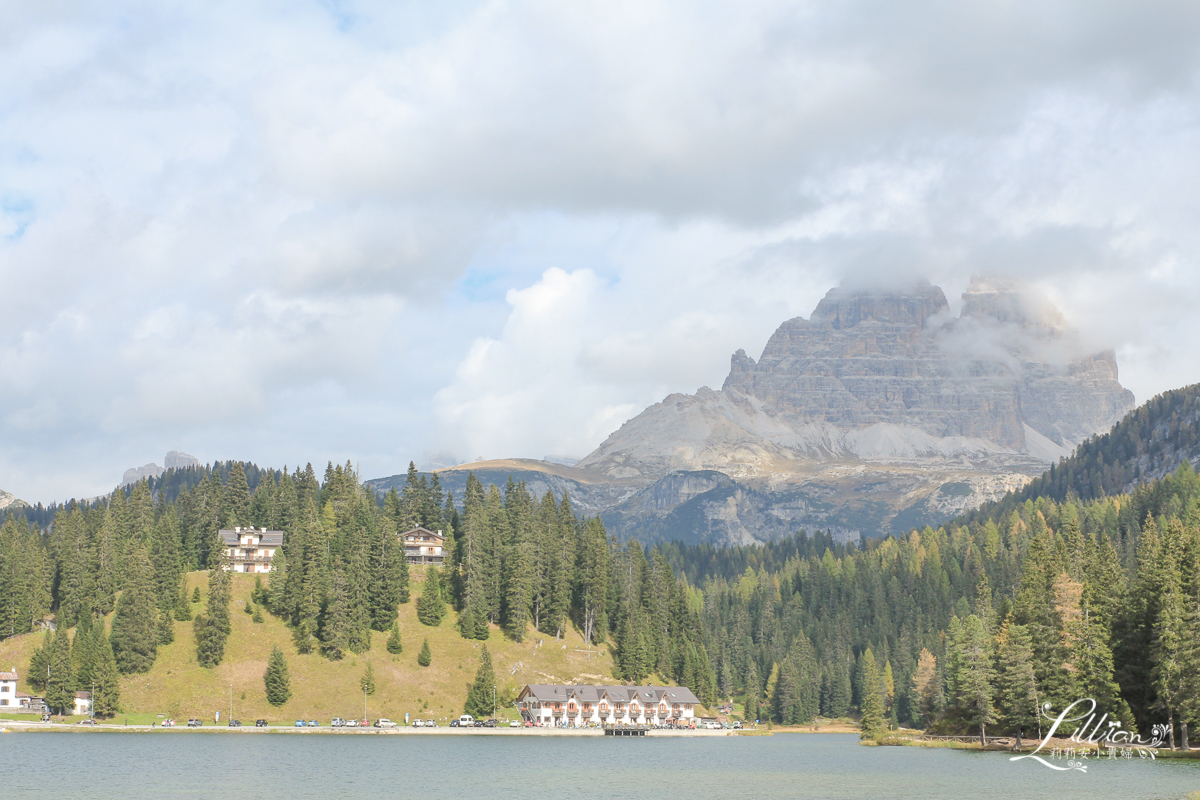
(575, 706)
(251, 549)
(83, 702)
(8, 690)
(423, 546)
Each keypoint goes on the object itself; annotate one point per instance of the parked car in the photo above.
(337, 722)
(235, 723)
(312, 723)
(514, 724)
(86, 722)
(260, 723)
(300, 723)
(418, 723)
(351, 723)
(490, 723)
(384, 722)
(737, 725)
(453, 723)
(195, 723)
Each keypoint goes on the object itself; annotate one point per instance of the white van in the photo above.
(466, 721)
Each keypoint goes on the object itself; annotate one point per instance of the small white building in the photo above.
(251, 549)
(8, 690)
(576, 706)
(422, 546)
(83, 703)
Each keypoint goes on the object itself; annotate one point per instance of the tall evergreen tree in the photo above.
(872, 725)
(278, 681)
(60, 676)
(135, 632)
(212, 629)
(425, 657)
(431, 608)
(481, 695)
(394, 645)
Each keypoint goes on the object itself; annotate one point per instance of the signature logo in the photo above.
(1092, 734)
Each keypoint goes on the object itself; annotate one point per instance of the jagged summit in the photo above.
(887, 376)
(879, 413)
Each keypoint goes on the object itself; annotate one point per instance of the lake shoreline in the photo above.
(53, 727)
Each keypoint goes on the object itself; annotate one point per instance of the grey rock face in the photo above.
(173, 460)
(177, 460)
(887, 377)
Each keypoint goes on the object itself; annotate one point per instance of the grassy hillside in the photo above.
(322, 689)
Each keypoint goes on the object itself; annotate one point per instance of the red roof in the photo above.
(8, 676)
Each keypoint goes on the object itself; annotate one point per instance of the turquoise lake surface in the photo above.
(193, 764)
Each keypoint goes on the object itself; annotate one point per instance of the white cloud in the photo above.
(276, 232)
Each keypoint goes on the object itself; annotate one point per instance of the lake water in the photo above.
(182, 764)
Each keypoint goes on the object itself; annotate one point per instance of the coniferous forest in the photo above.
(964, 629)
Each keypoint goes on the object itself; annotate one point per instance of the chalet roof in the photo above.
(423, 532)
(645, 695)
(8, 676)
(268, 538)
(84, 695)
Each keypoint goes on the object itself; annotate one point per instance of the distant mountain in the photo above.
(173, 460)
(1148, 443)
(880, 413)
(8, 501)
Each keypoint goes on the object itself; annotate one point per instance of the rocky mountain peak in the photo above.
(845, 308)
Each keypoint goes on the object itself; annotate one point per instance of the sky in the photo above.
(438, 231)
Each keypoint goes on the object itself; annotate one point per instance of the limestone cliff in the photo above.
(887, 377)
(881, 412)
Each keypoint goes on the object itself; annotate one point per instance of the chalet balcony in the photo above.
(239, 559)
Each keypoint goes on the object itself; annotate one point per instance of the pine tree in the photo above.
(1016, 684)
(183, 608)
(872, 724)
(974, 674)
(394, 645)
(135, 632)
(431, 608)
(196, 594)
(277, 679)
(60, 680)
(106, 700)
(258, 617)
(237, 498)
(481, 695)
(213, 628)
(166, 629)
(367, 681)
(425, 657)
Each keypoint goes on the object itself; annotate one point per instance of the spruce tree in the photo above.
(1016, 684)
(277, 679)
(394, 645)
(431, 608)
(237, 498)
(258, 617)
(425, 657)
(214, 627)
(196, 594)
(106, 700)
(367, 682)
(481, 695)
(183, 608)
(872, 725)
(60, 681)
(166, 629)
(135, 632)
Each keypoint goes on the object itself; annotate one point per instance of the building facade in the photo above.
(8, 690)
(423, 546)
(251, 549)
(83, 702)
(558, 705)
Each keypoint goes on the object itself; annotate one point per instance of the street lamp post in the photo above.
(364, 704)
(231, 702)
